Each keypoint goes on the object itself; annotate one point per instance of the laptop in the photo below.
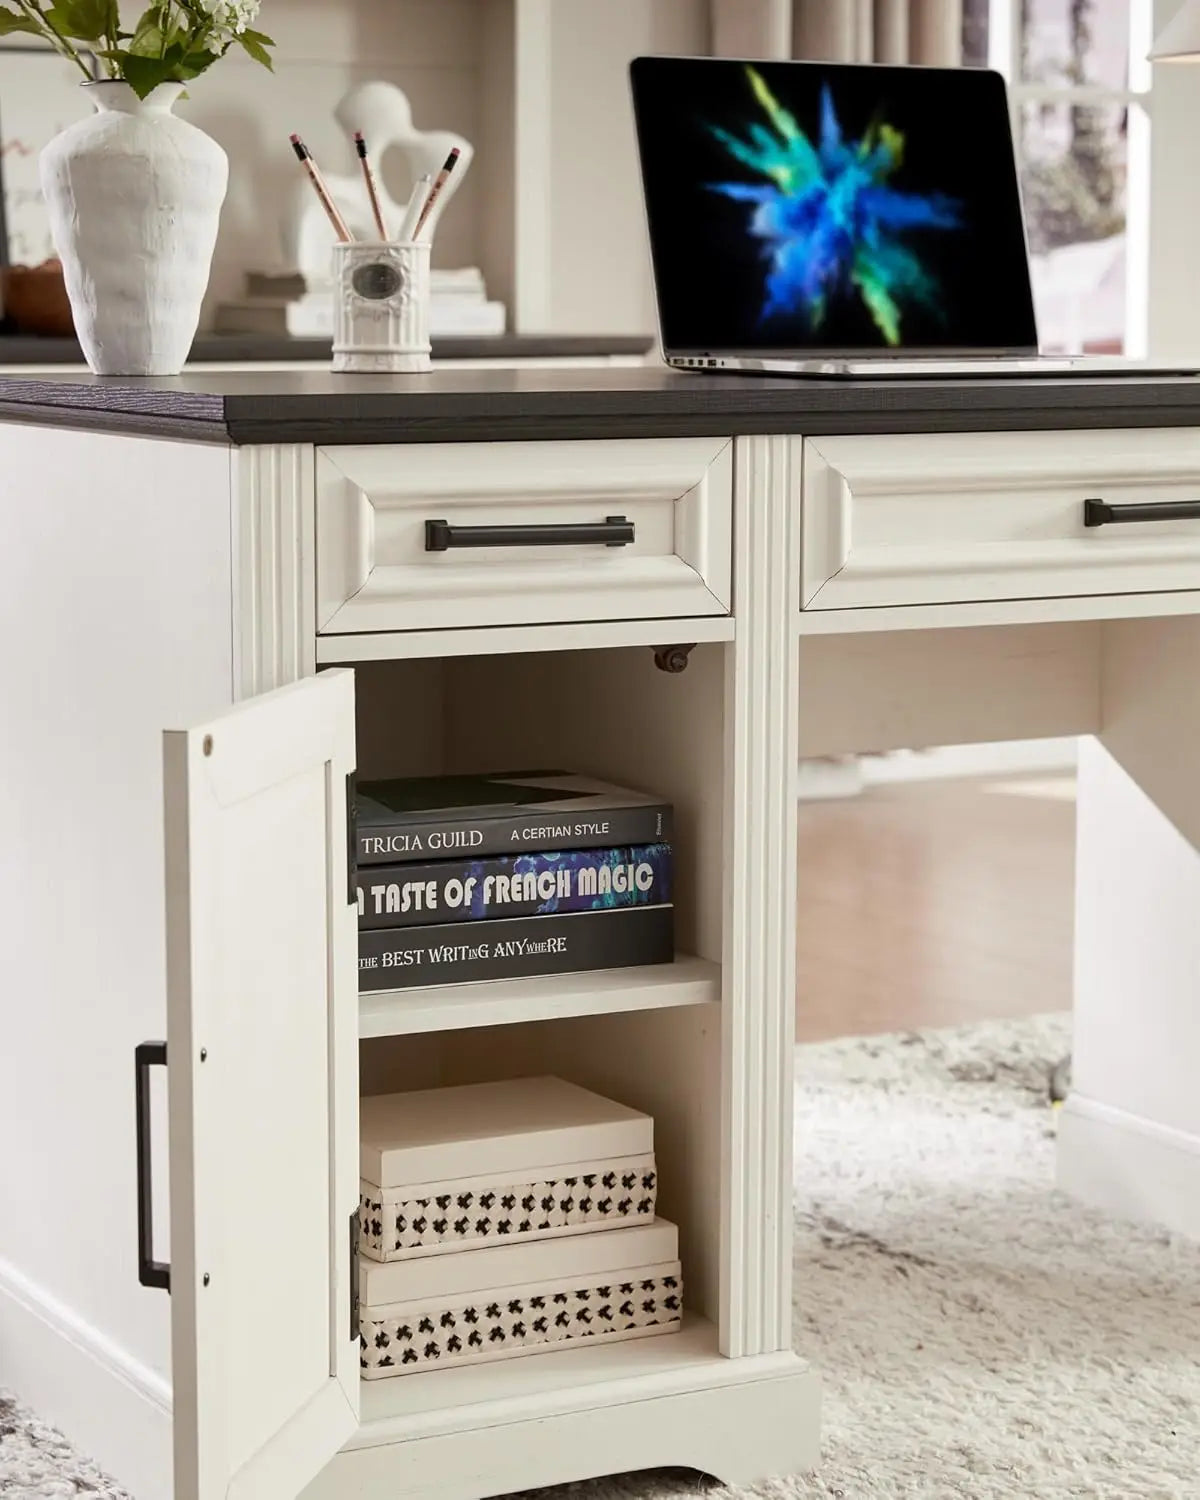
(839, 219)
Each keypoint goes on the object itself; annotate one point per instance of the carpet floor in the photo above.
(979, 1335)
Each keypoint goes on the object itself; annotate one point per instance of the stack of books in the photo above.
(282, 303)
(502, 876)
(459, 306)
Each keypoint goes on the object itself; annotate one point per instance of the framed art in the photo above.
(39, 96)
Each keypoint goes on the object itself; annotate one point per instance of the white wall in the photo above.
(430, 48)
(582, 254)
(433, 49)
(551, 208)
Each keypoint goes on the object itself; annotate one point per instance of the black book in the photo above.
(513, 885)
(446, 817)
(393, 958)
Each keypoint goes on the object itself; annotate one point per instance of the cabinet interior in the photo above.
(664, 1062)
(607, 713)
(610, 713)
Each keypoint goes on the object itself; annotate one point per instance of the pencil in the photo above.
(439, 183)
(369, 178)
(416, 203)
(304, 156)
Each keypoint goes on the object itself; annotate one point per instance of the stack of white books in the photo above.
(283, 303)
(459, 305)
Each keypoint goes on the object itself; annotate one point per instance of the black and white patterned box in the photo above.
(505, 1163)
(628, 1285)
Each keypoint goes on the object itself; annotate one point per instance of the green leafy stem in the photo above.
(173, 41)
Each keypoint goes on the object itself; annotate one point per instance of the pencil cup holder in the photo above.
(381, 306)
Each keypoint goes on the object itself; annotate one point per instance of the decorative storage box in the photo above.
(528, 1158)
(510, 1300)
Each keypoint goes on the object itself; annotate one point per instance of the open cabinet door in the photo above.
(262, 1054)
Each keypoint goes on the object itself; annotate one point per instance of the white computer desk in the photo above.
(814, 569)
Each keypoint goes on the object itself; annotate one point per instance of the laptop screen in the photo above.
(824, 206)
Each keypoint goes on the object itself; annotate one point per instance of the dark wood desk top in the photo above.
(446, 405)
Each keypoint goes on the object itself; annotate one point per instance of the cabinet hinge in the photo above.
(351, 838)
(354, 1293)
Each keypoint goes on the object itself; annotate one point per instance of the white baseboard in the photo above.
(115, 1409)
(1129, 1166)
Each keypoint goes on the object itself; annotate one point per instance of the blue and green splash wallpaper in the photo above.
(819, 206)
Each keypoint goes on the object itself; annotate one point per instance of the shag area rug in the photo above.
(979, 1334)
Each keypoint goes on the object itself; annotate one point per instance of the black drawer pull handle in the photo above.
(613, 531)
(1100, 512)
(151, 1272)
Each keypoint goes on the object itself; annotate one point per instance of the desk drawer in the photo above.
(971, 516)
(425, 536)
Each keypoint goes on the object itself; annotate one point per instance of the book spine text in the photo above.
(392, 958)
(519, 885)
(513, 833)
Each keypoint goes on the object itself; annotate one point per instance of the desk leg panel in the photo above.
(1130, 1133)
(761, 721)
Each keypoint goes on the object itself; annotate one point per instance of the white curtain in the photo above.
(886, 31)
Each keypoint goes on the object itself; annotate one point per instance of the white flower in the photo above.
(230, 19)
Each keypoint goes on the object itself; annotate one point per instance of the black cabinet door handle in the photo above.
(151, 1272)
(613, 531)
(1101, 513)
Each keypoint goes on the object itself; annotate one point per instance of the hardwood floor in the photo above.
(934, 903)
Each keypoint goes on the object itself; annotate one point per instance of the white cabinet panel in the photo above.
(262, 1055)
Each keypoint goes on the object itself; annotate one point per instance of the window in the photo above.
(1078, 84)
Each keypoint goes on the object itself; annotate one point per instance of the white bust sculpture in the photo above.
(381, 111)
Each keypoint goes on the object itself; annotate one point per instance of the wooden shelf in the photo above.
(451, 1007)
(446, 1401)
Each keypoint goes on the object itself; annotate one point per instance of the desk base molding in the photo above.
(738, 1432)
(1129, 1166)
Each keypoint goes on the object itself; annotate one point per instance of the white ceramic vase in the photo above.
(134, 198)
